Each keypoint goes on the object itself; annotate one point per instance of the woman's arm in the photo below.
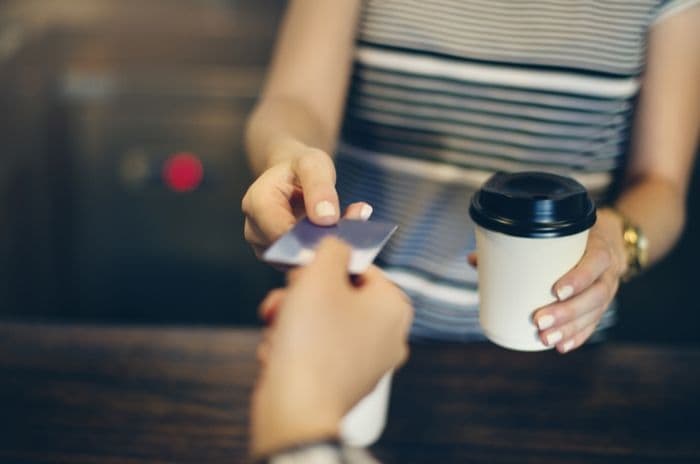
(656, 183)
(291, 132)
(665, 133)
(303, 98)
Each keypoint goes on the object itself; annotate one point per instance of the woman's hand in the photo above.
(586, 291)
(301, 184)
(329, 342)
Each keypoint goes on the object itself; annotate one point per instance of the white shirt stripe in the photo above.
(450, 174)
(499, 75)
(420, 285)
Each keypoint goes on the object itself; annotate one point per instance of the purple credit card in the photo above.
(296, 247)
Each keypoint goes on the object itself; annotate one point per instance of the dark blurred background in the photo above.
(98, 99)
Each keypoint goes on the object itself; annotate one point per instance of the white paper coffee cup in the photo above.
(364, 424)
(531, 229)
(516, 276)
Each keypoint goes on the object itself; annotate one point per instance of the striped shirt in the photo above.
(446, 92)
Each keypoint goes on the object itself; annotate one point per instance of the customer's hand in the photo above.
(328, 344)
(300, 184)
(585, 292)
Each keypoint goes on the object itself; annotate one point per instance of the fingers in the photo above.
(578, 339)
(561, 324)
(270, 305)
(584, 293)
(330, 263)
(595, 261)
(371, 275)
(265, 225)
(407, 319)
(360, 211)
(405, 353)
(255, 237)
(315, 173)
(293, 275)
(263, 350)
(268, 207)
(404, 319)
(562, 335)
(563, 312)
(472, 259)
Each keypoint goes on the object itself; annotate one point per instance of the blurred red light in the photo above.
(183, 172)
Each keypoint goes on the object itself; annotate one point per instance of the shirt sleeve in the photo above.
(667, 8)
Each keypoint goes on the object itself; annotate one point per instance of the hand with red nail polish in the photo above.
(586, 291)
(327, 344)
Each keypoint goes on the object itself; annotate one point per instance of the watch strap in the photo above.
(635, 246)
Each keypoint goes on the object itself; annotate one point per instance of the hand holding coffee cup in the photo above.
(586, 291)
(545, 276)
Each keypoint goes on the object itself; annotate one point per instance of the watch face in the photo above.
(631, 236)
(636, 245)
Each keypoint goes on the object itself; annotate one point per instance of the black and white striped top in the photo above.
(446, 92)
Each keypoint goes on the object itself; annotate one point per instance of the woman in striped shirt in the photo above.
(420, 101)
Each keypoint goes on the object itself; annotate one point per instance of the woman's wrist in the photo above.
(612, 224)
(634, 243)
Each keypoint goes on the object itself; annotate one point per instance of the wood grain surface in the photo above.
(133, 395)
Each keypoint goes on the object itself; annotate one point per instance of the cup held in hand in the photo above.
(531, 228)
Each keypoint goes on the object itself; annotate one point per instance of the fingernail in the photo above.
(567, 346)
(565, 292)
(366, 212)
(545, 322)
(554, 338)
(325, 209)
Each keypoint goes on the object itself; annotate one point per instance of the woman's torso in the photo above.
(444, 93)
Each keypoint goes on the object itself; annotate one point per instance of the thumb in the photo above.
(331, 260)
(315, 172)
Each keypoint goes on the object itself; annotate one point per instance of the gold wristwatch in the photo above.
(636, 246)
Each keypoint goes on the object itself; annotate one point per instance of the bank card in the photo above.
(367, 238)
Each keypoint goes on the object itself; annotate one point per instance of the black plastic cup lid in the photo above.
(533, 204)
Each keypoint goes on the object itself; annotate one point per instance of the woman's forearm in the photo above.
(657, 206)
(666, 132)
(278, 126)
(304, 94)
